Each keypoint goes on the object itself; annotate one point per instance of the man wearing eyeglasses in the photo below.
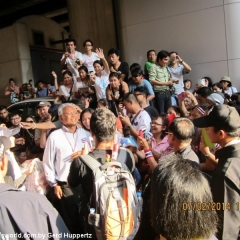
(60, 145)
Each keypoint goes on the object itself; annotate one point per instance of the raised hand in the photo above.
(54, 74)
(99, 52)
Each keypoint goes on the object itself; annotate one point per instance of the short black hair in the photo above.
(150, 51)
(204, 91)
(129, 97)
(182, 128)
(114, 51)
(187, 80)
(14, 114)
(142, 90)
(134, 65)
(88, 40)
(11, 80)
(162, 54)
(2, 107)
(172, 53)
(174, 183)
(136, 72)
(67, 40)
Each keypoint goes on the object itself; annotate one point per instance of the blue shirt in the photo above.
(42, 93)
(145, 83)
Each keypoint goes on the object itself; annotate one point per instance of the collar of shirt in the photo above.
(164, 140)
(232, 142)
(65, 129)
(6, 187)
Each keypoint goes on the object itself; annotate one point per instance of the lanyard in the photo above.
(75, 142)
(132, 121)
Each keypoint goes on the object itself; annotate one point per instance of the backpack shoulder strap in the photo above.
(91, 162)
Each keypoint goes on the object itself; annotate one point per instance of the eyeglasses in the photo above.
(155, 123)
(88, 45)
(29, 121)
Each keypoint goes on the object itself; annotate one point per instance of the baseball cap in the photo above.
(5, 144)
(225, 78)
(222, 117)
(216, 98)
(43, 104)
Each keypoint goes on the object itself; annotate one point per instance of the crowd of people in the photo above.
(179, 142)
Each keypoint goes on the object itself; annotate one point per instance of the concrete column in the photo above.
(92, 20)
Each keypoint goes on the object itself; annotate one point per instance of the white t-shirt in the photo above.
(231, 91)
(101, 84)
(142, 121)
(71, 62)
(78, 85)
(88, 61)
(65, 91)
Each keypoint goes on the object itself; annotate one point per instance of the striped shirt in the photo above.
(160, 74)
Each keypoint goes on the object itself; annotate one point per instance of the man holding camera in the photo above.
(72, 58)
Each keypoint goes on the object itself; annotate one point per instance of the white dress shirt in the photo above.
(60, 145)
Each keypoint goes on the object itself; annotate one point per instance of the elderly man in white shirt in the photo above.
(60, 145)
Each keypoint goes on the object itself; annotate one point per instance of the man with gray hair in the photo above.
(180, 134)
(16, 207)
(60, 145)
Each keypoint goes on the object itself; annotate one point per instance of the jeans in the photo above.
(163, 101)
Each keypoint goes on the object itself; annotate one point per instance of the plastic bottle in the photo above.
(140, 200)
(91, 216)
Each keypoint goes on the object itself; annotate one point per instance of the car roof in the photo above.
(32, 100)
(27, 107)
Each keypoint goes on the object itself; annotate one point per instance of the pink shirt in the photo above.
(161, 146)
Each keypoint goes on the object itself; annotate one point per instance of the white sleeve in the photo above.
(63, 92)
(49, 158)
(74, 89)
(145, 122)
(79, 55)
(96, 56)
(63, 56)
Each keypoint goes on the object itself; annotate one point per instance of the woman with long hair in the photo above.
(66, 90)
(115, 91)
